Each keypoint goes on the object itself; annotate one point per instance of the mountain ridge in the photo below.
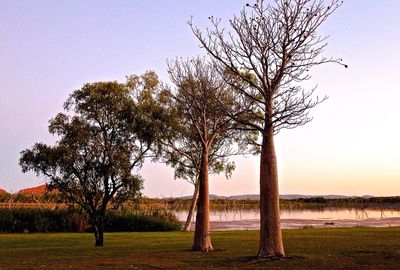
(37, 190)
(282, 196)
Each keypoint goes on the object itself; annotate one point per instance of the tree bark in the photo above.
(98, 230)
(202, 239)
(98, 235)
(271, 245)
(188, 223)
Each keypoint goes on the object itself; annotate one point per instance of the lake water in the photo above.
(300, 218)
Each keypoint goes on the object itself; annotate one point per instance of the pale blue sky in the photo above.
(50, 48)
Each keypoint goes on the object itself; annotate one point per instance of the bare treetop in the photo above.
(276, 44)
(265, 59)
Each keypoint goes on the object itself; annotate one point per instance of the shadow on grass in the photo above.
(255, 260)
(205, 252)
(387, 255)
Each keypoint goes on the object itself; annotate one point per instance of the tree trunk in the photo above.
(188, 223)
(98, 230)
(98, 235)
(202, 239)
(271, 245)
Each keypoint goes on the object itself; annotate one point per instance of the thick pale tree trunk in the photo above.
(202, 239)
(188, 223)
(271, 245)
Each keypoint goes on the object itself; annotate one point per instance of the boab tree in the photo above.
(183, 157)
(107, 131)
(277, 45)
(182, 152)
(203, 136)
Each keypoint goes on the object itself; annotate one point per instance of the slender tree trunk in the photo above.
(202, 239)
(98, 234)
(188, 223)
(98, 230)
(271, 245)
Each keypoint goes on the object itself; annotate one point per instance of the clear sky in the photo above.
(50, 48)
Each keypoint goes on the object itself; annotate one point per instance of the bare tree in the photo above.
(264, 59)
(182, 153)
(192, 207)
(202, 136)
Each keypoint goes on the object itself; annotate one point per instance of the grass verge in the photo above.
(336, 248)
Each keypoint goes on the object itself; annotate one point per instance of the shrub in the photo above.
(19, 220)
(128, 221)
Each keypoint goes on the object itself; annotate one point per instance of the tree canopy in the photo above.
(106, 132)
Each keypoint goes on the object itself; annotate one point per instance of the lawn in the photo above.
(338, 248)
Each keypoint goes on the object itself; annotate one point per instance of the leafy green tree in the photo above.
(107, 131)
(264, 59)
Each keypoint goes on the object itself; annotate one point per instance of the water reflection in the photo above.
(302, 214)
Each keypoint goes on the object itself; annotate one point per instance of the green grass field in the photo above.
(350, 248)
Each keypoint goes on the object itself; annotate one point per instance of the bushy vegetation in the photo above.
(32, 198)
(32, 220)
(151, 206)
(301, 203)
(4, 197)
(128, 221)
(355, 202)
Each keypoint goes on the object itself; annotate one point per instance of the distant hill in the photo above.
(288, 196)
(367, 196)
(245, 197)
(39, 190)
(283, 196)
